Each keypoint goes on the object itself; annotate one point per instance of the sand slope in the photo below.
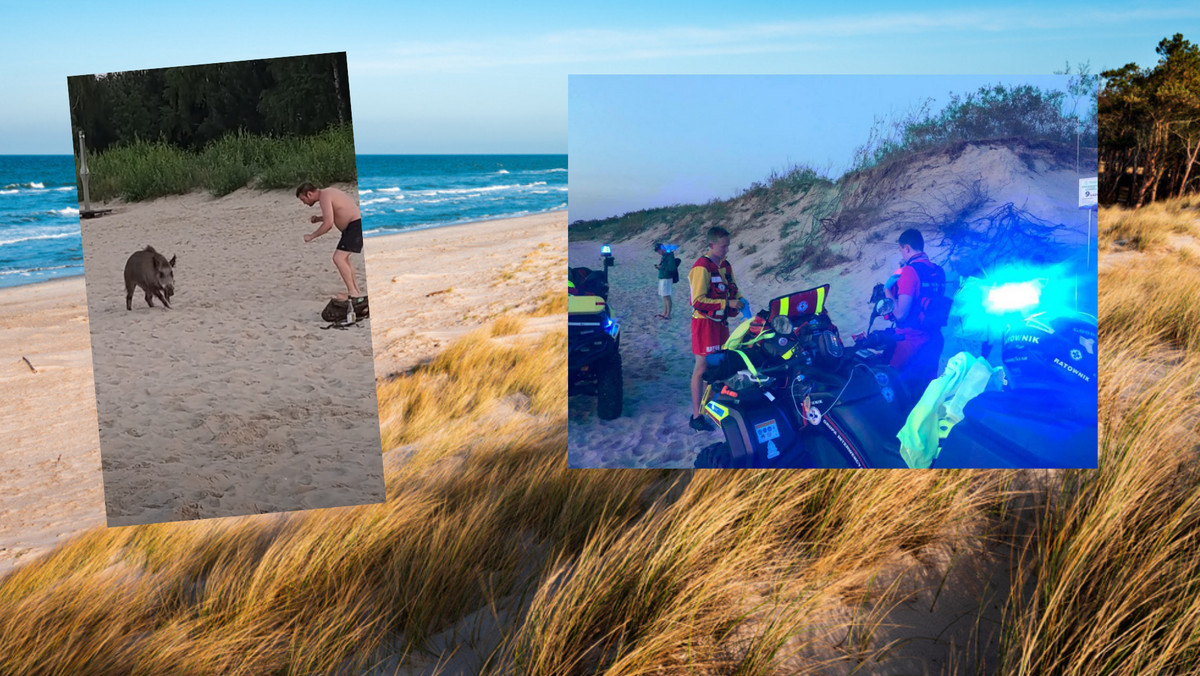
(929, 190)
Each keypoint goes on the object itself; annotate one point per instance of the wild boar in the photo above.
(154, 273)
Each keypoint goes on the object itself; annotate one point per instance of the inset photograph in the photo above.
(227, 299)
(832, 271)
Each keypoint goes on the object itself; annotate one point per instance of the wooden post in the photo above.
(84, 173)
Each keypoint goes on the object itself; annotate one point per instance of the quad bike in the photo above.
(794, 396)
(1045, 414)
(594, 339)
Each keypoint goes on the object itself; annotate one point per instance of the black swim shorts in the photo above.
(351, 237)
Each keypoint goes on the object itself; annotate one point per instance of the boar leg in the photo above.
(128, 296)
(149, 297)
(162, 297)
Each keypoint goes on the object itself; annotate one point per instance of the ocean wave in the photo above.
(365, 191)
(481, 189)
(444, 200)
(8, 192)
(69, 211)
(26, 271)
(66, 187)
(33, 237)
(36, 185)
(389, 190)
(376, 200)
(542, 171)
(502, 171)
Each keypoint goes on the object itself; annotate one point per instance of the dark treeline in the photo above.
(189, 107)
(1150, 127)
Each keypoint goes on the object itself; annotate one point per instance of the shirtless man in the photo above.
(337, 209)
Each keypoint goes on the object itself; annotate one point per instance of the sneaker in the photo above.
(701, 424)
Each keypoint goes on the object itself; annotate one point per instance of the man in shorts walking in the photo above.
(668, 268)
(714, 298)
(337, 210)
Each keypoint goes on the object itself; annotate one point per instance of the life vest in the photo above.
(932, 309)
(720, 287)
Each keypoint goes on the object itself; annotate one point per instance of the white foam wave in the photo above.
(65, 188)
(377, 200)
(502, 171)
(26, 271)
(364, 191)
(69, 211)
(36, 185)
(482, 189)
(447, 199)
(8, 192)
(543, 171)
(33, 237)
(389, 190)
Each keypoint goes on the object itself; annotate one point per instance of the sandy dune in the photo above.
(920, 192)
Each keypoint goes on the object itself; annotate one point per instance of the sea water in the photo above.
(39, 219)
(39, 204)
(403, 192)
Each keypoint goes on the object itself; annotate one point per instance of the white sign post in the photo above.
(1088, 189)
(1087, 192)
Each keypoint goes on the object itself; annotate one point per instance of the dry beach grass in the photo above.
(492, 556)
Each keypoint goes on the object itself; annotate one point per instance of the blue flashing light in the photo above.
(1014, 297)
(1008, 294)
(610, 327)
(605, 250)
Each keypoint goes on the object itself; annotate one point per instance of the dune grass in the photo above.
(1147, 227)
(143, 170)
(623, 572)
(1110, 568)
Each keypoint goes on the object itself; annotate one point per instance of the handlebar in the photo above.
(876, 340)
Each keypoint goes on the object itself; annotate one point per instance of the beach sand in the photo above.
(235, 401)
(50, 474)
(50, 484)
(657, 356)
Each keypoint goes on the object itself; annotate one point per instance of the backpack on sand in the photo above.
(335, 310)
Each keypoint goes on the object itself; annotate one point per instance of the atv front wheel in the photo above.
(609, 388)
(714, 456)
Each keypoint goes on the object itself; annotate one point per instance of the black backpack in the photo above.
(674, 269)
(335, 310)
(934, 309)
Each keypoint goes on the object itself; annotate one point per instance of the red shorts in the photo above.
(708, 336)
(917, 358)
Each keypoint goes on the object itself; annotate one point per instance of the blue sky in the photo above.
(460, 77)
(641, 141)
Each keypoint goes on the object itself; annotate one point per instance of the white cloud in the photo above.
(582, 46)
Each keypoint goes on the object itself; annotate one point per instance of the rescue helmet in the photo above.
(1043, 351)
